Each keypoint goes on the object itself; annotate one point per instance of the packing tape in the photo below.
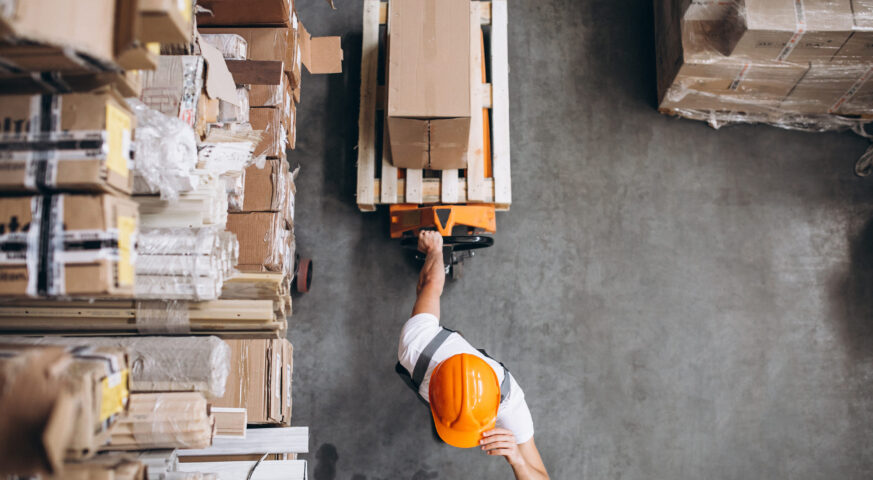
(740, 77)
(851, 91)
(162, 317)
(799, 32)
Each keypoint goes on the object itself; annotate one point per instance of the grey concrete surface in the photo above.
(677, 302)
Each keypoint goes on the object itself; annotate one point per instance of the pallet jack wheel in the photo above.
(303, 274)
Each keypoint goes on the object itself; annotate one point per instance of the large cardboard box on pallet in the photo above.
(260, 380)
(859, 46)
(788, 30)
(731, 86)
(832, 88)
(83, 140)
(65, 244)
(429, 83)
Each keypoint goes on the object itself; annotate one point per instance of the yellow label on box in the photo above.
(118, 130)
(185, 9)
(154, 47)
(126, 228)
(115, 394)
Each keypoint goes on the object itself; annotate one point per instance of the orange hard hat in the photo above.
(464, 397)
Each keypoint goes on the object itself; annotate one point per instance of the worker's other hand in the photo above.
(429, 242)
(501, 441)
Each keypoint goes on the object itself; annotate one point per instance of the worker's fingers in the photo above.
(498, 438)
(498, 445)
(497, 431)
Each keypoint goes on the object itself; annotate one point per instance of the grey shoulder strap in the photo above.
(427, 355)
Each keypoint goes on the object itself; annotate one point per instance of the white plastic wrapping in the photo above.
(231, 46)
(163, 420)
(795, 64)
(160, 364)
(184, 263)
(166, 153)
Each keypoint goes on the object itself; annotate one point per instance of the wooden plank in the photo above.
(475, 148)
(449, 186)
(500, 108)
(431, 191)
(484, 19)
(389, 171)
(367, 116)
(256, 72)
(413, 187)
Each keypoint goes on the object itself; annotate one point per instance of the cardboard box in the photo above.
(825, 88)
(84, 140)
(174, 88)
(429, 83)
(64, 400)
(320, 54)
(257, 382)
(731, 86)
(262, 240)
(266, 188)
(166, 21)
(260, 13)
(76, 245)
(287, 376)
(278, 96)
(773, 30)
(57, 23)
(859, 46)
(270, 121)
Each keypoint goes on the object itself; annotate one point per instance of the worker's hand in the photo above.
(429, 242)
(501, 441)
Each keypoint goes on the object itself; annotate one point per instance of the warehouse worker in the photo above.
(473, 398)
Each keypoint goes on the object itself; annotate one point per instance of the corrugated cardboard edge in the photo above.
(320, 55)
(219, 81)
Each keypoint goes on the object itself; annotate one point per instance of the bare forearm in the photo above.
(433, 273)
(528, 472)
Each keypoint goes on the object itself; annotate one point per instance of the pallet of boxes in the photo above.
(804, 64)
(141, 332)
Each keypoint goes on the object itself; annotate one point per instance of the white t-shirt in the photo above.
(513, 414)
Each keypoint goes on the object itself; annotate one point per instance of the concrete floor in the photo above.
(677, 302)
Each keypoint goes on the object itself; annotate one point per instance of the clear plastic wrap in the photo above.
(230, 113)
(160, 364)
(115, 466)
(155, 317)
(163, 420)
(797, 64)
(263, 240)
(271, 122)
(236, 191)
(203, 206)
(231, 46)
(184, 263)
(166, 153)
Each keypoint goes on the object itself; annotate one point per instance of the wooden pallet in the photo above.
(451, 186)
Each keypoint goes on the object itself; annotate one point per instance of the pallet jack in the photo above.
(462, 227)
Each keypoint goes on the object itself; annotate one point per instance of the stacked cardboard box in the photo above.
(57, 404)
(260, 380)
(781, 62)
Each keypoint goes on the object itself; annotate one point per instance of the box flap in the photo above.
(219, 82)
(320, 55)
